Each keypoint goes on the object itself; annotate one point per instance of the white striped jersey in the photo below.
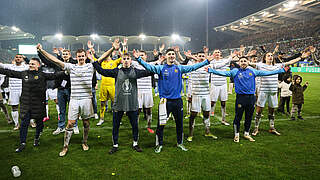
(200, 82)
(269, 83)
(14, 83)
(81, 80)
(144, 84)
(219, 65)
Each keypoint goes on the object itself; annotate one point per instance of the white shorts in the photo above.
(200, 102)
(14, 98)
(145, 100)
(269, 97)
(51, 94)
(219, 93)
(80, 107)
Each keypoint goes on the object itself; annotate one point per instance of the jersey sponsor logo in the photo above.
(126, 87)
(36, 77)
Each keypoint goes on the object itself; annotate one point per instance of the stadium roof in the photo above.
(284, 13)
(11, 33)
(141, 39)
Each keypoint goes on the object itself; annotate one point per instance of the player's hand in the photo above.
(206, 68)
(155, 52)
(55, 51)
(39, 46)
(312, 49)
(90, 45)
(135, 53)
(124, 42)
(161, 48)
(116, 44)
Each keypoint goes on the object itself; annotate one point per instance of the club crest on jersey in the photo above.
(176, 70)
(239, 106)
(26, 78)
(36, 77)
(250, 74)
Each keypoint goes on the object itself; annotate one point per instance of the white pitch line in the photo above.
(170, 126)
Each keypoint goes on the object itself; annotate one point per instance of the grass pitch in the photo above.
(293, 155)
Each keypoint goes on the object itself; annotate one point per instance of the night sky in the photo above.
(127, 17)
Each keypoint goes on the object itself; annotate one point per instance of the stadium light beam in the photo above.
(59, 36)
(15, 28)
(175, 36)
(142, 36)
(94, 36)
(290, 4)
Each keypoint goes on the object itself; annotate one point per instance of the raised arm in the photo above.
(186, 68)
(106, 72)
(222, 73)
(152, 68)
(11, 73)
(115, 46)
(50, 57)
(142, 73)
(304, 55)
(268, 73)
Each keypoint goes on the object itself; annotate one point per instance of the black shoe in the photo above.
(293, 118)
(36, 142)
(113, 150)
(300, 117)
(21, 147)
(137, 148)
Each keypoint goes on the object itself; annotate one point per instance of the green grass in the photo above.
(293, 155)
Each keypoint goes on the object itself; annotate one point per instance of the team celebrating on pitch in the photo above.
(126, 80)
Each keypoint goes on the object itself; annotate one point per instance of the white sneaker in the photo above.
(76, 130)
(96, 116)
(225, 123)
(100, 122)
(58, 131)
(17, 127)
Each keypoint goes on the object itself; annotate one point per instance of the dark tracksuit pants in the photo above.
(25, 121)
(133, 117)
(284, 101)
(174, 106)
(244, 103)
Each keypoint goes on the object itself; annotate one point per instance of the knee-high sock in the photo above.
(212, 108)
(86, 128)
(271, 119)
(149, 118)
(15, 117)
(67, 136)
(58, 109)
(206, 122)
(223, 113)
(102, 111)
(257, 120)
(47, 110)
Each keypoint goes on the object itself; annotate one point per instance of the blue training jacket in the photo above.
(170, 77)
(244, 79)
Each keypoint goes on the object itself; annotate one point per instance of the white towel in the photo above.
(163, 111)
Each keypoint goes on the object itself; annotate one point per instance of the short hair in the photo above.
(36, 59)
(143, 51)
(200, 52)
(170, 49)
(80, 51)
(253, 56)
(66, 50)
(126, 54)
(244, 57)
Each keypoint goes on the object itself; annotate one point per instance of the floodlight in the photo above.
(15, 28)
(58, 36)
(142, 36)
(94, 36)
(175, 36)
